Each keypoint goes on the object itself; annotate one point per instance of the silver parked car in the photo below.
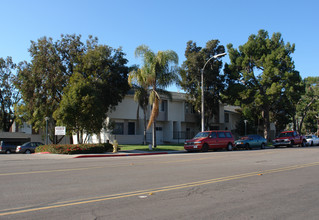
(28, 147)
(312, 140)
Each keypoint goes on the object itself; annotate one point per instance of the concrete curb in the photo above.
(119, 155)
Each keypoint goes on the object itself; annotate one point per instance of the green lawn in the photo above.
(171, 147)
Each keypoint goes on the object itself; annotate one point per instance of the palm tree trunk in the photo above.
(154, 134)
(145, 124)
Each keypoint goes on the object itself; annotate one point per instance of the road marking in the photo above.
(155, 190)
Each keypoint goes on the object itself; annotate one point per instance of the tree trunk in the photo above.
(154, 134)
(99, 137)
(305, 111)
(71, 139)
(265, 115)
(294, 123)
(300, 124)
(145, 124)
(78, 136)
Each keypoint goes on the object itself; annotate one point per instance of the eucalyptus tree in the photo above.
(262, 75)
(41, 84)
(308, 106)
(160, 71)
(9, 95)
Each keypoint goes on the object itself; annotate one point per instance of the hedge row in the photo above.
(75, 148)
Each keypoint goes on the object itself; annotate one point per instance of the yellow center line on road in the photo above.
(155, 190)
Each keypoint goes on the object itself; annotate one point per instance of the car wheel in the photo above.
(205, 148)
(291, 144)
(229, 147)
(28, 151)
(247, 147)
(303, 144)
(311, 143)
(262, 146)
(8, 151)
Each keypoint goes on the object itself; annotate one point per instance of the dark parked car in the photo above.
(7, 147)
(251, 141)
(28, 147)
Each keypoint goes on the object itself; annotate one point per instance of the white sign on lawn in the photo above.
(60, 130)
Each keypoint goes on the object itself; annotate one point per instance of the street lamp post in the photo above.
(202, 88)
(46, 130)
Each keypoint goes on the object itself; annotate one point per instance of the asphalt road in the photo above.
(259, 184)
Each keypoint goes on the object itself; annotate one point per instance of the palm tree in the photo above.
(137, 80)
(159, 71)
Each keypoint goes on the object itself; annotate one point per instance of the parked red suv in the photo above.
(289, 139)
(207, 140)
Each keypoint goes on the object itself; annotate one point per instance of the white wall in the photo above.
(126, 109)
(176, 111)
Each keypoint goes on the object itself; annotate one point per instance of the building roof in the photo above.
(6, 135)
(231, 108)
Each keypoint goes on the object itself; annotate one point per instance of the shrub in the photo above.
(75, 148)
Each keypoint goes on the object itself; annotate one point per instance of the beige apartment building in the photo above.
(176, 122)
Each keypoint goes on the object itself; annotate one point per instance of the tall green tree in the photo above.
(214, 83)
(43, 80)
(99, 84)
(308, 106)
(9, 95)
(160, 71)
(41, 83)
(262, 75)
(78, 108)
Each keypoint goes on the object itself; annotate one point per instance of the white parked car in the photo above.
(312, 140)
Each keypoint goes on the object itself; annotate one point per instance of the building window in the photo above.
(163, 105)
(186, 108)
(226, 118)
(118, 128)
(131, 128)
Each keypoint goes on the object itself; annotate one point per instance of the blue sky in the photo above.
(162, 24)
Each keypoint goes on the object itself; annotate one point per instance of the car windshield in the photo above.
(25, 144)
(286, 134)
(202, 135)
